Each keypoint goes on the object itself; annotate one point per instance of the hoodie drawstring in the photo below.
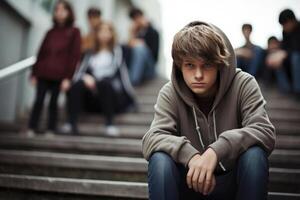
(215, 133)
(200, 136)
(198, 128)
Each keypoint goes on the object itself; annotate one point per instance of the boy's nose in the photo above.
(198, 74)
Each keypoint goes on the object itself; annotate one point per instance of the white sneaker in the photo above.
(66, 128)
(49, 134)
(112, 131)
(29, 133)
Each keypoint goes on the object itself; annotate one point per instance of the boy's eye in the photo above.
(207, 65)
(190, 65)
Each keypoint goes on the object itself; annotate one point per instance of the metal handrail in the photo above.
(17, 67)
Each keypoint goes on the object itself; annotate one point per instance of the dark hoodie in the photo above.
(236, 121)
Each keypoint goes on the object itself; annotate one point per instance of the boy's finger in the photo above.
(201, 180)
(213, 184)
(207, 183)
(195, 180)
(189, 177)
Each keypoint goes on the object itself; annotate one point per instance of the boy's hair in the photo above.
(198, 40)
(94, 12)
(286, 15)
(247, 26)
(135, 12)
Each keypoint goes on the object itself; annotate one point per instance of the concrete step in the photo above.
(282, 158)
(62, 186)
(108, 167)
(73, 165)
(73, 144)
(88, 188)
(284, 180)
(101, 145)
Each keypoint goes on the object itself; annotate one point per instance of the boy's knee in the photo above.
(161, 163)
(255, 157)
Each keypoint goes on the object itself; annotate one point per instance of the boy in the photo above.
(211, 135)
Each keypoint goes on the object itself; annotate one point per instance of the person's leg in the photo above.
(52, 108)
(163, 177)
(74, 103)
(253, 175)
(282, 80)
(140, 55)
(41, 91)
(106, 95)
(167, 179)
(295, 65)
(256, 61)
(150, 71)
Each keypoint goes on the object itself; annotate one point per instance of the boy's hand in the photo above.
(200, 176)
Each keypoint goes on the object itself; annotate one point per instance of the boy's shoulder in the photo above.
(242, 77)
(244, 81)
(167, 89)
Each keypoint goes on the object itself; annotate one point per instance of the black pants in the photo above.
(44, 86)
(103, 99)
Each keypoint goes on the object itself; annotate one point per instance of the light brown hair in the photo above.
(200, 41)
(113, 40)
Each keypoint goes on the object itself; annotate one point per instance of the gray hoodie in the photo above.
(237, 120)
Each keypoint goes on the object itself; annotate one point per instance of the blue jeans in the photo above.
(252, 66)
(295, 62)
(283, 81)
(142, 64)
(247, 181)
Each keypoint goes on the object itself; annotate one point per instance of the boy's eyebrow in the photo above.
(193, 60)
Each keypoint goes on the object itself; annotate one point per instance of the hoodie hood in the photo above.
(226, 74)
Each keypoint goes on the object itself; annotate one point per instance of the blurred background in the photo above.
(107, 147)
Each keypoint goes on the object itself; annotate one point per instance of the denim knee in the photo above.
(161, 164)
(254, 162)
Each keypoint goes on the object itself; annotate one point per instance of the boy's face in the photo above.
(199, 76)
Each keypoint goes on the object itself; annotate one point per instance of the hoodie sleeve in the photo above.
(162, 135)
(257, 128)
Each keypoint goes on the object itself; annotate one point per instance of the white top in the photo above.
(101, 64)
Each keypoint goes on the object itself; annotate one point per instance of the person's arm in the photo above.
(153, 43)
(41, 53)
(256, 126)
(73, 60)
(74, 55)
(162, 135)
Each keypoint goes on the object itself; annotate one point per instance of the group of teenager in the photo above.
(96, 72)
(280, 60)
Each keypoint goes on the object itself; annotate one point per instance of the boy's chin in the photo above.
(200, 92)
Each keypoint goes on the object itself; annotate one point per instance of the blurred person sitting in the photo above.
(276, 61)
(94, 19)
(56, 62)
(144, 45)
(101, 84)
(291, 44)
(249, 56)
